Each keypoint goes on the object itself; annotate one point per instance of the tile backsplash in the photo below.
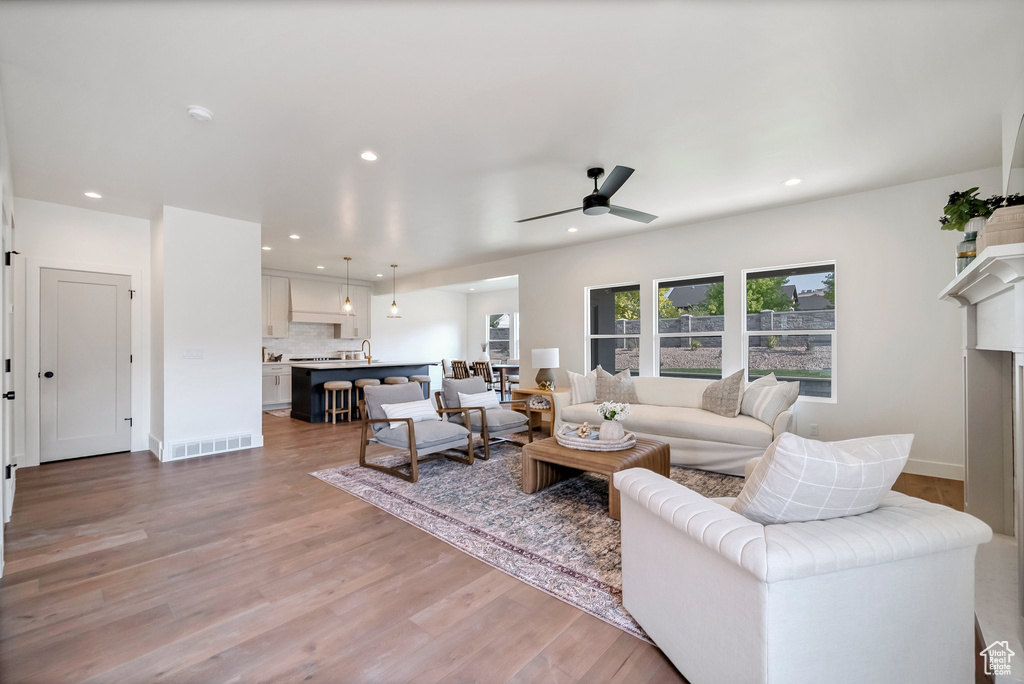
(309, 339)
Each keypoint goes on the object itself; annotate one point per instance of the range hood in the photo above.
(315, 301)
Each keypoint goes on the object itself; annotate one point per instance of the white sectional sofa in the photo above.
(885, 596)
(668, 409)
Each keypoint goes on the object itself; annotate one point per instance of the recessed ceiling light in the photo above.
(266, 249)
(793, 181)
(471, 289)
(294, 237)
(94, 195)
(321, 267)
(199, 113)
(380, 275)
(573, 229)
(369, 156)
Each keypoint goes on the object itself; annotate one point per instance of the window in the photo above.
(613, 331)
(502, 337)
(691, 320)
(790, 326)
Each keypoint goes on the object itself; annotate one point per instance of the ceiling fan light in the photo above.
(596, 210)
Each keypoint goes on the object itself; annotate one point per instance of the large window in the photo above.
(691, 320)
(790, 326)
(502, 337)
(613, 329)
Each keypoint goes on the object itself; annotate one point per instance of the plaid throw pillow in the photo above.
(801, 479)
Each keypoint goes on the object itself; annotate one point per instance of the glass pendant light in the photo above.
(394, 297)
(347, 308)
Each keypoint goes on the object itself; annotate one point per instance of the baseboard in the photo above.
(947, 471)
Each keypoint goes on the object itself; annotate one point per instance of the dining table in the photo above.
(503, 373)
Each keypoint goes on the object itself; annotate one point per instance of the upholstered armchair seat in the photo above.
(429, 434)
(490, 424)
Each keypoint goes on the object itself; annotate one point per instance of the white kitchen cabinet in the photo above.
(277, 385)
(275, 306)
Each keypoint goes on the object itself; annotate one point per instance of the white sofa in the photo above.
(885, 596)
(668, 409)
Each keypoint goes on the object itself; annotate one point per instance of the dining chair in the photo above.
(460, 370)
(446, 367)
(482, 369)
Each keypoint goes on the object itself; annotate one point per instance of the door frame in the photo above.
(140, 401)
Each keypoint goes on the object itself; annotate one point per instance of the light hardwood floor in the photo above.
(242, 567)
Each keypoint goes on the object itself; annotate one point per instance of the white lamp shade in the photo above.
(545, 358)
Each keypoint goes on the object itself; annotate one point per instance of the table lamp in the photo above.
(544, 360)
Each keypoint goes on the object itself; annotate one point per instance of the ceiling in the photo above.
(483, 113)
(488, 285)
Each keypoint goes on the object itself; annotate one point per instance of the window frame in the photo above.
(658, 335)
(513, 332)
(588, 336)
(745, 334)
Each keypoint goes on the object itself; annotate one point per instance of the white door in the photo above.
(84, 363)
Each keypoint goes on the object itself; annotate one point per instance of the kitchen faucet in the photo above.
(369, 358)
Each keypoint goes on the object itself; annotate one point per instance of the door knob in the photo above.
(48, 374)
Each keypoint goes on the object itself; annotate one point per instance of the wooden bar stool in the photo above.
(423, 381)
(362, 383)
(331, 389)
(396, 380)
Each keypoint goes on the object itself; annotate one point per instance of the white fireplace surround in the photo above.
(990, 292)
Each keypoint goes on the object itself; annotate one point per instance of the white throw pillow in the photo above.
(419, 411)
(582, 388)
(801, 479)
(766, 398)
(484, 400)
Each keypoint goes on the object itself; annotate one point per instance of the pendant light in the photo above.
(394, 297)
(347, 308)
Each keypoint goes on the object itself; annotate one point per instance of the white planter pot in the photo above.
(975, 224)
(611, 430)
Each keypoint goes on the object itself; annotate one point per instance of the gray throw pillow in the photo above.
(724, 396)
(615, 387)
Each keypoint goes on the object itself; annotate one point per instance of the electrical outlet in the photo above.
(814, 429)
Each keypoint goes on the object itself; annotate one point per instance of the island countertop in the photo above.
(330, 365)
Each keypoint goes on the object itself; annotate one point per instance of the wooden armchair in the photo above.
(422, 439)
(494, 424)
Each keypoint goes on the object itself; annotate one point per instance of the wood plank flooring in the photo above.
(242, 567)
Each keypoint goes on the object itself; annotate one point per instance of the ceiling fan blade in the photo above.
(557, 213)
(632, 214)
(614, 181)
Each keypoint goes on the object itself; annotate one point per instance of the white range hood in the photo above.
(316, 301)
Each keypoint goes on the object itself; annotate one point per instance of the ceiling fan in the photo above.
(599, 201)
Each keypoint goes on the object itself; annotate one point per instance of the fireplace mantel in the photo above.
(996, 270)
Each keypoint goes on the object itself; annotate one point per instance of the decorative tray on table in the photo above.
(567, 437)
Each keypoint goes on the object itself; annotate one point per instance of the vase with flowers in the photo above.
(613, 414)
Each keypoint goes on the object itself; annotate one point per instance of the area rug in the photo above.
(559, 540)
(280, 413)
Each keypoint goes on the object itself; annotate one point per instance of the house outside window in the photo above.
(790, 326)
(613, 328)
(502, 337)
(691, 323)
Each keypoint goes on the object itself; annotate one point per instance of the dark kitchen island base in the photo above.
(308, 402)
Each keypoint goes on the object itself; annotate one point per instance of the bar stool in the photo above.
(395, 380)
(331, 389)
(422, 380)
(362, 383)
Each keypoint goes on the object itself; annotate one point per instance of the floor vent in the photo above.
(210, 445)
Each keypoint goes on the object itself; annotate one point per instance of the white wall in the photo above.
(1013, 112)
(898, 354)
(432, 327)
(211, 305)
(59, 236)
(478, 306)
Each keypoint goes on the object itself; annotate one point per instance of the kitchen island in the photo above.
(308, 402)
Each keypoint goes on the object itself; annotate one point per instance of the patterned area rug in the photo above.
(280, 413)
(559, 540)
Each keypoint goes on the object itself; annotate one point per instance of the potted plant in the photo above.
(1005, 226)
(966, 212)
(612, 412)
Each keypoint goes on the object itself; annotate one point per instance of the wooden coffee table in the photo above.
(546, 462)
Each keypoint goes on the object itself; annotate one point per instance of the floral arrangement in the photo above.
(613, 410)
